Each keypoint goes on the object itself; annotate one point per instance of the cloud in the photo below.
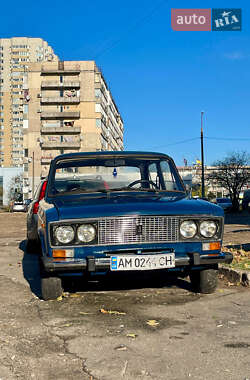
(236, 55)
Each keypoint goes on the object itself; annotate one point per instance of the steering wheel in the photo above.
(143, 181)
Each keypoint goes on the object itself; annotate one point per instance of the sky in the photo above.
(160, 79)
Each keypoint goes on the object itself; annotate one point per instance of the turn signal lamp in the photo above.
(63, 253)
(214, 246)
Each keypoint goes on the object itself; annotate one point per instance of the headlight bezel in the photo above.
(54, 242)
(198, 220)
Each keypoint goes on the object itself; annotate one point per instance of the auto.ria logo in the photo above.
(226, 20)
(217, 20)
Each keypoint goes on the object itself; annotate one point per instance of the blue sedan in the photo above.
(125, 211)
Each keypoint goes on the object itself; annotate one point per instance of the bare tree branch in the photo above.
(232, 173)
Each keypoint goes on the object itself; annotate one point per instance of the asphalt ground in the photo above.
(139, 327)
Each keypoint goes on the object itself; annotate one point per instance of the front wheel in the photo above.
(204, 281)
(51, 288)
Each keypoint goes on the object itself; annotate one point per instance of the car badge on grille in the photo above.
(138, 230)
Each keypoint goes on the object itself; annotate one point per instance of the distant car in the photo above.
(224, 203)
(245, 199)
(17, 206)
(32, 235)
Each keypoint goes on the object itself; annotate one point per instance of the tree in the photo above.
(232, 173)
(15, 188)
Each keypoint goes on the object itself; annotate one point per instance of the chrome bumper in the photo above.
(92, 264)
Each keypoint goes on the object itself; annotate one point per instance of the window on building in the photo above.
(98, 122)
(98, 93)
(97, 107)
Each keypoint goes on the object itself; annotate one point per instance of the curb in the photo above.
(235, 276)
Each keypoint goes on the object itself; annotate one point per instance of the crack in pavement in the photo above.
(65, 346)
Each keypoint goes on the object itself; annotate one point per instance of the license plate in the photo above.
(142, 262)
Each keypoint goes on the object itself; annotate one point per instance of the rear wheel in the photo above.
(33, 246)
(51, 288)
(204, 281)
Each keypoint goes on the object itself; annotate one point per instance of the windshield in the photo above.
(119, 174)
(223, 200)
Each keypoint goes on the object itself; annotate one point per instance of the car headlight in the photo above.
(188, 229)
(64, 234)
(86, 233)
(208, 228)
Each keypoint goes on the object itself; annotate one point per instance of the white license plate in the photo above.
(142, 262)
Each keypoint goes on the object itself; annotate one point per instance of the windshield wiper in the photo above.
(79, 190)
(132, 189)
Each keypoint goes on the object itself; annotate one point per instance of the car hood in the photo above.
(104, 206)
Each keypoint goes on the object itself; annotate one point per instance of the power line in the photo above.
(228, 138)
(176, 143)
(141, 21)
(198, 138)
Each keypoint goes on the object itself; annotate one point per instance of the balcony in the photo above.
(46, 160)
(61, 145)
(60, 115)
(60, 130)
(60, 100)
(55, 85)
(69, 70)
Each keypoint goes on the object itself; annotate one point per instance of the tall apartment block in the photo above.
(70, 109)
(15, 56)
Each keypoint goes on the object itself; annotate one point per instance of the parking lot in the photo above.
(119, 328)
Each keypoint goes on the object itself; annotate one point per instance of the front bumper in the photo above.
(93, 264)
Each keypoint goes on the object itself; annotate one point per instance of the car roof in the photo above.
(111, 154)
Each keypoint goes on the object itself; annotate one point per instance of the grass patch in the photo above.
(241, 259)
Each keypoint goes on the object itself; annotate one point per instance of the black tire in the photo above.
(33, 246)
(204, 281)
(51, 288)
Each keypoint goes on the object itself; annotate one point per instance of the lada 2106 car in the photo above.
(125, 211)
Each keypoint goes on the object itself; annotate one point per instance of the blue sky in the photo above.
(161, 80)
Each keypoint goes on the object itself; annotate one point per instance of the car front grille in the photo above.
(138, 229)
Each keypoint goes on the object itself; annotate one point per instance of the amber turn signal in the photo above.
(59, 253)
(214, 246)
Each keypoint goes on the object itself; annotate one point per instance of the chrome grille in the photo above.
(138, 229)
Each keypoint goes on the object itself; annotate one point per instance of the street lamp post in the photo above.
(202, 160)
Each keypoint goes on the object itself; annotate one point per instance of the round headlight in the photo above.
(65, 234)
(188, 229)
(86, 233)
(208, 228)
